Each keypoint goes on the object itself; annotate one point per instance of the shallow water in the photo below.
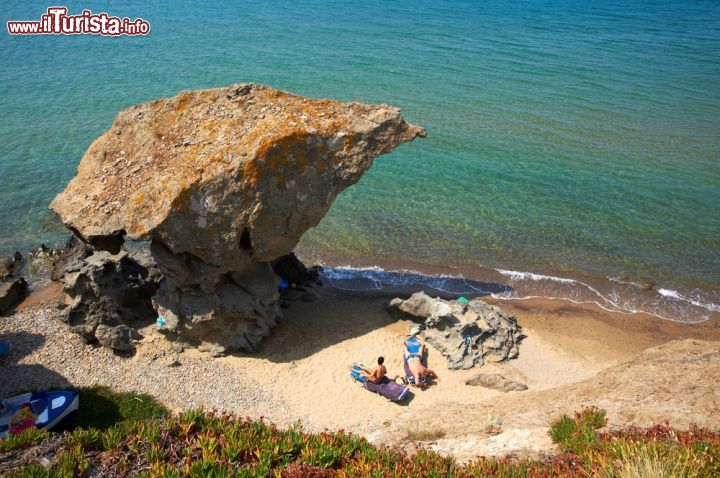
(568, 139)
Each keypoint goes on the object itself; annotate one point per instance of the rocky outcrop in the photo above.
(12, 292)
(290, 268)
(216, 311)
(69, 256)
(9, 266)
(223, 182)
(467, 333)
(12, 289)
(496, 381)
(108, 296)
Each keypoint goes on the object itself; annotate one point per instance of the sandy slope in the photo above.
(573, 356)
(570, 358)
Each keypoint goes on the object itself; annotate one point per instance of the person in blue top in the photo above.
(414, 353)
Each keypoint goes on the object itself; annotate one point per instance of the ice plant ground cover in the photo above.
(209, 444)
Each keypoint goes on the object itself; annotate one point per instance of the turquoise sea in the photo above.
(573, 148)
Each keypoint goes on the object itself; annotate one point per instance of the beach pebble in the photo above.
(46, 354)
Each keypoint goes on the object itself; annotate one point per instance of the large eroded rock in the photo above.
(222, 182)
(468, 333)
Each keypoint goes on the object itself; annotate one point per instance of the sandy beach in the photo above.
(641, 369)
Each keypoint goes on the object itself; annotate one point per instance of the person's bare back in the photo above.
(377, 374)
(414, 356)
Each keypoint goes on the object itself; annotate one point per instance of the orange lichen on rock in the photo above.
(221, 182)
(241, 158)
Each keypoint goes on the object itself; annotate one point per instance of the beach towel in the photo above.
(413, 345)
(387, 388)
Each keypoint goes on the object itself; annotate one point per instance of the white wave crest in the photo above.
(533, 276)
(662, 303)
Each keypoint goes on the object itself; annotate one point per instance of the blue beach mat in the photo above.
(413, 345)
(356, 373)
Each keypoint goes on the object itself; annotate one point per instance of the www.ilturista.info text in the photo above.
(56, 21)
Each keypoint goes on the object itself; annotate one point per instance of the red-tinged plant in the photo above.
(222, 444)
(304, 470)
(22, 420)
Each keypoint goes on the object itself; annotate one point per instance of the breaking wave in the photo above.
(614, 295)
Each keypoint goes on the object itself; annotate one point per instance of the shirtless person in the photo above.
(376, 375)
(414, 353)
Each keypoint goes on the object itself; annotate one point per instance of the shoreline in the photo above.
(300, 371)
(611, 294)
(511, 285)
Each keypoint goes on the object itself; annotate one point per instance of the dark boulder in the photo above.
(9, 266)
(73, 251)
(118, 337)
(12, 292)
(12, 289)
(109, 295)
(290, 268)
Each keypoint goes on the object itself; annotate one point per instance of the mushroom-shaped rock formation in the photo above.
(221, 182)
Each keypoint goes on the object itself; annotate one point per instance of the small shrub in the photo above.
(163, 470)
(112, 437)
(205, 469)
(493, 423)
(32, 471)
(425, 435)
(67, 465)
(192, 420)
(649, 464)
(149, 431)
(29, 437)
(324, 456)
(85, 438)
(578, 433)
(562, 430)
(304, 470)
(592, 417)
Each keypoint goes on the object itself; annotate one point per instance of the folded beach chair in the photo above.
(387, 388)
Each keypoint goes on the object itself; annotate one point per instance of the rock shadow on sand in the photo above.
(352, 305)
(16, 377)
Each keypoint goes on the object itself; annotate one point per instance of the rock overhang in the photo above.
(246, 168)
(221, 182)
